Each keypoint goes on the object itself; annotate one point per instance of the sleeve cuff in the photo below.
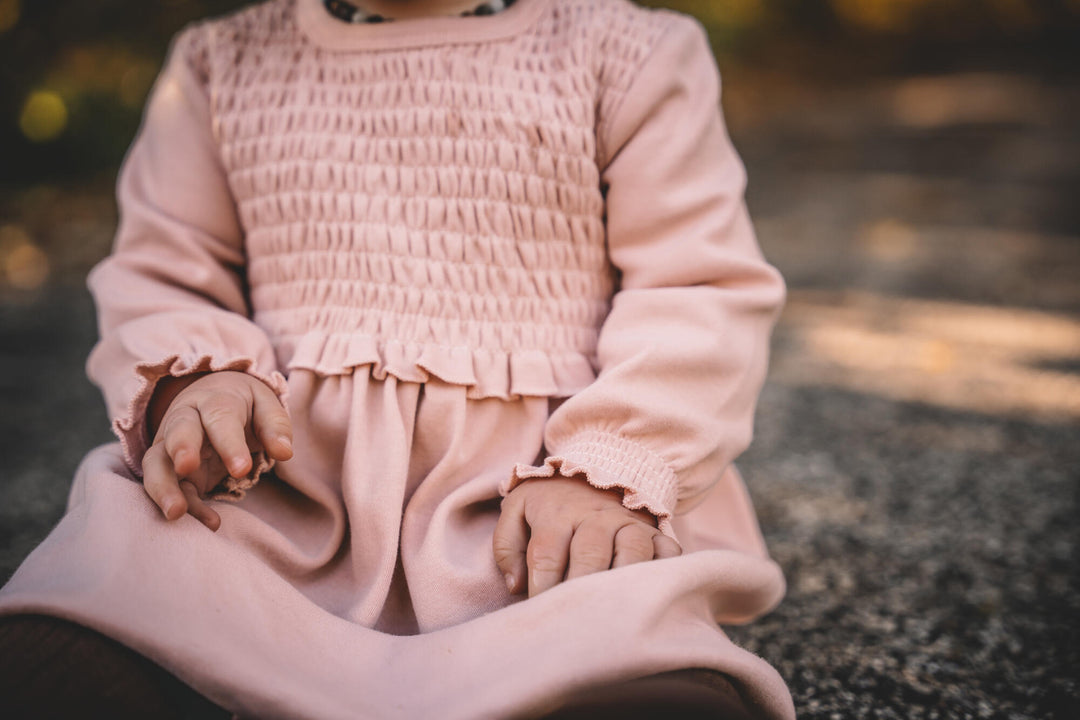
(610, 462)
(130, 428)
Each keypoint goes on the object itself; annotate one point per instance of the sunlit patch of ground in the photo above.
(994, 360)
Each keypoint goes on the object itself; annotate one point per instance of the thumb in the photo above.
(665, 547)
(270, 422)
(510, 543)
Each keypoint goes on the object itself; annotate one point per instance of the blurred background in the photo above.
(914, 174)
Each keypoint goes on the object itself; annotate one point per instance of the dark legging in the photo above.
(52, 668)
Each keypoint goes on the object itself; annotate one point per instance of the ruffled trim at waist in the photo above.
(487, 373)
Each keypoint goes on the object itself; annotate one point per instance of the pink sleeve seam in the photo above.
(607, 122)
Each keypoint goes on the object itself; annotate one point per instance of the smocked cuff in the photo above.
(608, 461)
(131, 427)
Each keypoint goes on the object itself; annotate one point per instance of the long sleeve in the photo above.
(683, 352)
(171, 297)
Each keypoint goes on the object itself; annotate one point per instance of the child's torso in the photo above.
(435, 207)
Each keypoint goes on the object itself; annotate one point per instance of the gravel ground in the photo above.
(916, 465)
(917, 462)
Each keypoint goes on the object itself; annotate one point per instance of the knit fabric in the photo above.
(420, 202)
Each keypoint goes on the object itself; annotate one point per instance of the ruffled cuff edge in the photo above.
(608, 461)
(131, 427)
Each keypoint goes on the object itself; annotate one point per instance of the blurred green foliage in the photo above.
(74, 74)
(91, 63)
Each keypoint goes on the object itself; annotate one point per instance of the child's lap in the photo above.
(381, 522)
(211, 611)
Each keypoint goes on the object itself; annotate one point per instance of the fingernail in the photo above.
(237, 468)
(285, 442)
(167, 508)
(511, 583)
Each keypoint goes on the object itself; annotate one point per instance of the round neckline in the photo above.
(325, 30)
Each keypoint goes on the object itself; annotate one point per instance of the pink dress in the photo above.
(465, 252)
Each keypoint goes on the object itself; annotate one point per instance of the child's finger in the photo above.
(225, 420)
(198, 508)
(183, 437)
(592, 547)
(272, 425)
(210, 473)
(633, 544)
(665, 547)
(161, 483)
(509, 544)
(547, 556)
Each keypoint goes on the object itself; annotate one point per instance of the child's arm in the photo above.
(683, 351)
(171, 298)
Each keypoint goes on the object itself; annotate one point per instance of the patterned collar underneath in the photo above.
(347, 12)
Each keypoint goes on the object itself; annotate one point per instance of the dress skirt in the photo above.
(357, 580)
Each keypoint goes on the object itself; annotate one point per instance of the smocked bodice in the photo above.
(437, 207)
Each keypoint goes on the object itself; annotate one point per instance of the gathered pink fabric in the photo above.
(466, 253)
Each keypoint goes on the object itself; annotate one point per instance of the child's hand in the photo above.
(209, 430)
(563, 528)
